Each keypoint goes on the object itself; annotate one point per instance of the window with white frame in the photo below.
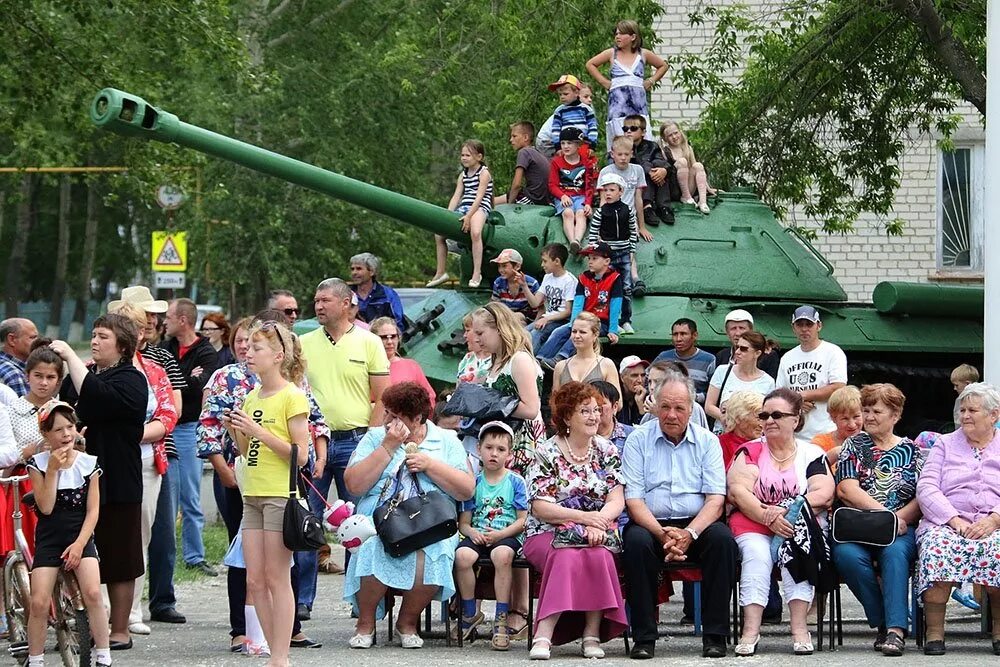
(960, 209)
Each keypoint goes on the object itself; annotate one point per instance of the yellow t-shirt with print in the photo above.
(339, 374)
(266, 474)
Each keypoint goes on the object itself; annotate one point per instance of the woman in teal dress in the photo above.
(440, 464)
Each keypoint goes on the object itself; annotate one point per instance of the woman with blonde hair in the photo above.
(844, 408)
(587, 365)
(691, 175)
(741, 423)
(272, 419)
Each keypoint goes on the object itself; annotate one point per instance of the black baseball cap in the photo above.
(571, 134)
(600, 249)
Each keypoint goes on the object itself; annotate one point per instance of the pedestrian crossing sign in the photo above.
(169, 251)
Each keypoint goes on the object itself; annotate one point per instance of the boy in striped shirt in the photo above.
(615, 223)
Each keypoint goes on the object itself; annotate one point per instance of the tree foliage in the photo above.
(830, 94)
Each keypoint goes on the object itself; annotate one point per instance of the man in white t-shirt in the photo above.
(815, 369)
(556, 293)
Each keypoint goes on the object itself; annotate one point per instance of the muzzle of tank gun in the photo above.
(424, 323)
(131, 116)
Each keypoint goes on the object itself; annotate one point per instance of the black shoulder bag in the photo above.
(405, 526)
(301, 530)
(876, 528)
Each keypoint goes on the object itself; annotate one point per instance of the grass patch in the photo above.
(216, 541)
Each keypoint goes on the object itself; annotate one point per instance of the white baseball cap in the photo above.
(739, 315)
(630, 361)
(496, 425)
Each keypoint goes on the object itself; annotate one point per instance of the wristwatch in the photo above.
(694, 533)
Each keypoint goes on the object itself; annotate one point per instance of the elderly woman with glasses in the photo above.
(959, 495)
(400, 368)
(576, 491)
(767, 476)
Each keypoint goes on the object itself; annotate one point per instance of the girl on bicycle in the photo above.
(67, 505)
(273, 417)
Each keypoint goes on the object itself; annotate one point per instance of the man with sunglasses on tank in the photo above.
(283, 300)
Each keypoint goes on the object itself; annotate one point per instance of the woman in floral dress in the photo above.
(577, 497)
(959, 494)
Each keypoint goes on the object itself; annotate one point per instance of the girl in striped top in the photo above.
(473, 200)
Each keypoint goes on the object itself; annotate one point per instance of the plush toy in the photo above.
(352, 529)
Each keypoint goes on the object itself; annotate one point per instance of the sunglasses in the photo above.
(210, 329)
(389, 336)
(776, 415)
(290, 311)
(633, 128)
(743, 348)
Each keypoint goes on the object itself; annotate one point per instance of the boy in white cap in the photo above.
(511, 287)
(615, 223)
(815, 368)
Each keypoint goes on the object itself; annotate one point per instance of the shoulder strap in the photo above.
(725, 379)
(293, 488)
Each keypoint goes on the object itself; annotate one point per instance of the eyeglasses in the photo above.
(389, 336)
(290, 311)
(743, 348)
(633, 128)
(210, 329)
(776, 415)
(590, 412)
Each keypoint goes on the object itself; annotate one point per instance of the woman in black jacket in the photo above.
(112, 398)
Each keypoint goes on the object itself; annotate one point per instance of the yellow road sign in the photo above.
(169, 251)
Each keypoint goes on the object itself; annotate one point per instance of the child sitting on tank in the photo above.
(554, 300)
(572, 112)
(531, 173)
(512, 287)
(615, 223)
(571, 183)
(548, 144)
(659, 169)
(635, 185)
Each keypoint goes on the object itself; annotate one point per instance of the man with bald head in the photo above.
(675, 491)
(17, 335)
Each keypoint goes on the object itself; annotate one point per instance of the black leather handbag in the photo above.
(876, 528)
(301, 530)
(407, 525)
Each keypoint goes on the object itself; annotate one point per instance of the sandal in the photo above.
(541, 649)
(500, 640)
(521, 631)
(467, 626)
(893, 644)
(592, 651)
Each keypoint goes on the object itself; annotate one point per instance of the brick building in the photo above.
(940, 198)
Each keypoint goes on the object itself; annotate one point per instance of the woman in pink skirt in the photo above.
(572, 532)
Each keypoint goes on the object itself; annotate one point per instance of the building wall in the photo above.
(868, 256)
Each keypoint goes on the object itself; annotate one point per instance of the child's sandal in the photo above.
(500, 640)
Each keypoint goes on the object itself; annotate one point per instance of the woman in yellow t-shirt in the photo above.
(273, 417)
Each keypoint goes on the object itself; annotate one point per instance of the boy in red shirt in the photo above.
(571, 183)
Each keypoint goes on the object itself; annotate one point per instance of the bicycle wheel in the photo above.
(72, 624)
(17, 598)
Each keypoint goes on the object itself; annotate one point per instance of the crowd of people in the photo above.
(752, 465)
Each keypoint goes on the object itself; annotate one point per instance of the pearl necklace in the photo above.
(774, 458)
(579, 459)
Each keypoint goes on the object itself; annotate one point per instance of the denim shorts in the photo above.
(579, 201)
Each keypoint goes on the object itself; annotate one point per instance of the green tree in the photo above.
(830, 94)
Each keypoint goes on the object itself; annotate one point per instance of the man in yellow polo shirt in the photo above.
(348, 371)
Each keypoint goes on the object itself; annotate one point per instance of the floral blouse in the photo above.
(473, 369)
(554, 478)
(889, 476)
(228, 388)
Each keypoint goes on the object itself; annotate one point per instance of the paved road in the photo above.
(204, 640)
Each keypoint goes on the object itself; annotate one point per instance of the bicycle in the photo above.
(67, 612)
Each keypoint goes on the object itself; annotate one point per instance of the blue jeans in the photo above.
(189, 468)
(885, 606)
(539, 336)
(163, 545)
(559, 345)
(621, 261)
(338, 454)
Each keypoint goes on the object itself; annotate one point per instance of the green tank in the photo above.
(700, 268)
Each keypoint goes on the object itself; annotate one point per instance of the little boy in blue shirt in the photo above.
(572, 112)
(511, 287)
(492, 523)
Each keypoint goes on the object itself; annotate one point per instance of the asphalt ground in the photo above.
(204, 639)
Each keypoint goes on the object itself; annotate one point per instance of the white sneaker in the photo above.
(627, 329)
(139, 628)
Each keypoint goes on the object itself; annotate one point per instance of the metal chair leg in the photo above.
(697, 608)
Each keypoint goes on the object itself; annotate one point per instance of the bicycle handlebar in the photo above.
(16, 479)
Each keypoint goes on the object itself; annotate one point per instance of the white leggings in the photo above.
(755, 580)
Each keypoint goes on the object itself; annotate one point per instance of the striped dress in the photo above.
(470, 186)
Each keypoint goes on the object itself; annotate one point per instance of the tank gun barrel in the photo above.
(131, 116)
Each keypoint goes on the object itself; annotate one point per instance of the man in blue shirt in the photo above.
(374, 299)
(675, 491)
(16, 336)
(700, 364)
